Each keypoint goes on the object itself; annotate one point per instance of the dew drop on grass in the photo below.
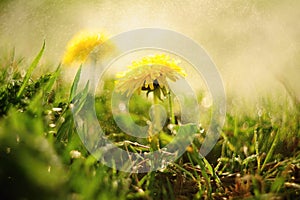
(71, 106)
(202, 130)
(171, 126)
(163, 164)
(18, 138)
(57, 109)
(259, 112)
(75, 154)
(122, 106)
(245, 125)
(206, 102)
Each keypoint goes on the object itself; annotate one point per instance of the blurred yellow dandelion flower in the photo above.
(81, 45)
(149, 73)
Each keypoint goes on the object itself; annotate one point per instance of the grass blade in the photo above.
(75, 84)
(257, 150)
(272, 149)
(80, 99)
(45, 89)
(30, 70)
(52, 80)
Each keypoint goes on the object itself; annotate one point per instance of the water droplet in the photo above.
(260, 112)
(52, 125)
(206, 102)
(122, 106)
(75, 154)
(18, 138)
(57, 109)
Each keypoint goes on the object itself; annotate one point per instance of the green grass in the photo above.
(256, 157)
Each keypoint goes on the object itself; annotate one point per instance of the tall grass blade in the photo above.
(272, 149)
(80, 99)
(257, 150)
(52, 80)
(75, 84)
(30, 70)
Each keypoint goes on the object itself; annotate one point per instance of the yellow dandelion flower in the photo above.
(81, 45)
(149, 73)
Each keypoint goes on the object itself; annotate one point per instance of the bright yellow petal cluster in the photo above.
(81, 45)
(148, 73)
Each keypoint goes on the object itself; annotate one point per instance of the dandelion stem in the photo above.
(156, 113)
(156, 124)
(171, 108)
